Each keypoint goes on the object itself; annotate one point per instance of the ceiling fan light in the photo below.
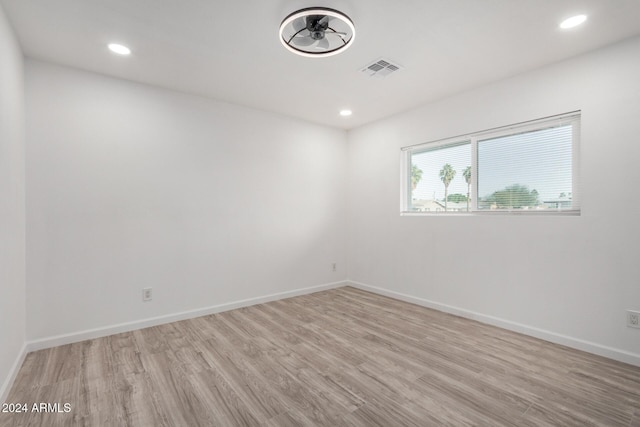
(303, 38)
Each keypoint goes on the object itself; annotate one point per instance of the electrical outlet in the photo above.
(147, 294)
(633, 319)
(334, 267)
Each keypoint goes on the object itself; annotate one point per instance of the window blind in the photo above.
(528, 167)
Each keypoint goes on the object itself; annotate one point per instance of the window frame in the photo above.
(473, 139)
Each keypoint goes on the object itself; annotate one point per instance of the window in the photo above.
(525, 168)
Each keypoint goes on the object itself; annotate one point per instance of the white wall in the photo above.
(569, 279)
(131, 186)
(12, 238)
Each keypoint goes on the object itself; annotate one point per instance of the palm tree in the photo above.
(416, 176)
(467, 177)
(447, 173)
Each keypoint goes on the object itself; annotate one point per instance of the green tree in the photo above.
(535, 195)
(447, 173)
(467, 177)
(416, 176)
(457, 198)
(513, 196)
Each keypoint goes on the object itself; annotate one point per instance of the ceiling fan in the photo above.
(317, 32)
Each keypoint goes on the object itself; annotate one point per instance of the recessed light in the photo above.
(346, 113)
(119, 49)
(574, 21)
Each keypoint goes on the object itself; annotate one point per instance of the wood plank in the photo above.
(342, 357)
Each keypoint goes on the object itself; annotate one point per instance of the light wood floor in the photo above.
(343, 357)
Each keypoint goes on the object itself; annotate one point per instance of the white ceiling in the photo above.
(229, 50)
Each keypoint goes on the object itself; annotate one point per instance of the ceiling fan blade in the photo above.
(337, 33)
(323, 44)
(325, 19)
(299, 23)
(302, 41)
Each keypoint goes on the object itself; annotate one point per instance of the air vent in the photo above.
(380, 68)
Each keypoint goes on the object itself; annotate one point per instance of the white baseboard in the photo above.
(13, 373)
(160, 320)
(590, 347)
(579, 344)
